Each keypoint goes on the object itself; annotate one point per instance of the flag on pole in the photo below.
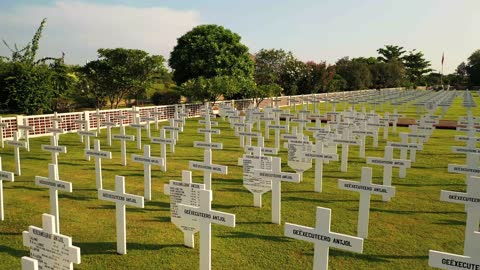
(443, 57)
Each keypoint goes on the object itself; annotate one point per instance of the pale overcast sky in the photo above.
(321, 30)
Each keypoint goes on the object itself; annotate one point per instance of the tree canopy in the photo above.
(208, 51)
(390, 53)
(473, 68)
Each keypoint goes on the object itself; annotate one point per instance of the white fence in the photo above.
(40, 123)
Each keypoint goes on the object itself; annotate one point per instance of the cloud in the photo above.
(79, 28)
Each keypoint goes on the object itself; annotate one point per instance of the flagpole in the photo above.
(441, 75)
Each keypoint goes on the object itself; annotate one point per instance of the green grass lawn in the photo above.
(400, 233)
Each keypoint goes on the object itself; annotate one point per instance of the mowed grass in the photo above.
(401, 231)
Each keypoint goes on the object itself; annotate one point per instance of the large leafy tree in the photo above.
(385, 75)
(473, 68)
(211, 89)
(120, 72)
(209, 51)
(356, 73)
(314, 78)
(416, 66)
(270, 64)
(390, 53)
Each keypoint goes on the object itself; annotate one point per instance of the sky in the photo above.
(313, 30)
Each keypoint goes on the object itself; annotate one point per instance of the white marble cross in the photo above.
(98, 155)
(206, 216)
(48, 248)
(147, 161)
(123, 143)
(138, 126)
(404, 146)
(276, 176)
(184, 192)
(7, 176)
(388, 163)
(17, 144)
(98, 116)
(365, 188)
(363, 132)
(173, 129)
(471, 199)
(84, 125)
(55, 130)
(55, 149)
(109, 124)
(158, 114)
(147, 121)
(54, 185)
(323, 238)
(25, 130)
(320, 156)
(87, 134)
(345, 142)
(449, 261)
(163, 141)
(256, 185)
(121, 199)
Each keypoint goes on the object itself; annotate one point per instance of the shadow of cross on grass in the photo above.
(246, 235)
(98, 248)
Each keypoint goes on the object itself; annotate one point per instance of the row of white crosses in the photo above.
(207, 165)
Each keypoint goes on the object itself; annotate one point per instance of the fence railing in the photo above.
(41, 123)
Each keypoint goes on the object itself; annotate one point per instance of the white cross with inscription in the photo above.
(388, 163)
(54, 185)
(98, 117)
(98, 155)
(320, 156)
(123, 142)
(25, 130)
(121, 199)
(276, 176)
(362, 131)
(147, 121)
(55, 130)
(55, 149)
(173, 129)
(256, 185)
(83, 124)
(345, 141)
(471, 199)
(109, 124)
(163, 141)
(206, 217)
(184, 192)
(87, 134)
(404, 146)
(50, 249)
(7, 176)
(147, 161)
(449, 261)
(16, 143)
(323, 238)
(138, 126)
(365, 188)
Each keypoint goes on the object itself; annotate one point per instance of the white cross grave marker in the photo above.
(206, 216)
(98, 155)
(16, 143)
(121, 199)
(365, 188)
(320, 156)
(123, 143)
(138, 126)
(184, 192)
(388, 163)
(7, 176)
(49, 248)
(54, 185)
(471, 199)
(323, 238)
(163, 141)
(256, 185)
(449, 261)
(147, 161)
(25, 130)
(276, 176)
(98, 116)
(109, 124)
(55, 149)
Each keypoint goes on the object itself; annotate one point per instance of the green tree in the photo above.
(270, 64)
(313, 79)
(390, 53)
(355, 73)
(121, 72)
(209, 51)
(386, 75)
(210, 89)
(473, 68)
(416, 66)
